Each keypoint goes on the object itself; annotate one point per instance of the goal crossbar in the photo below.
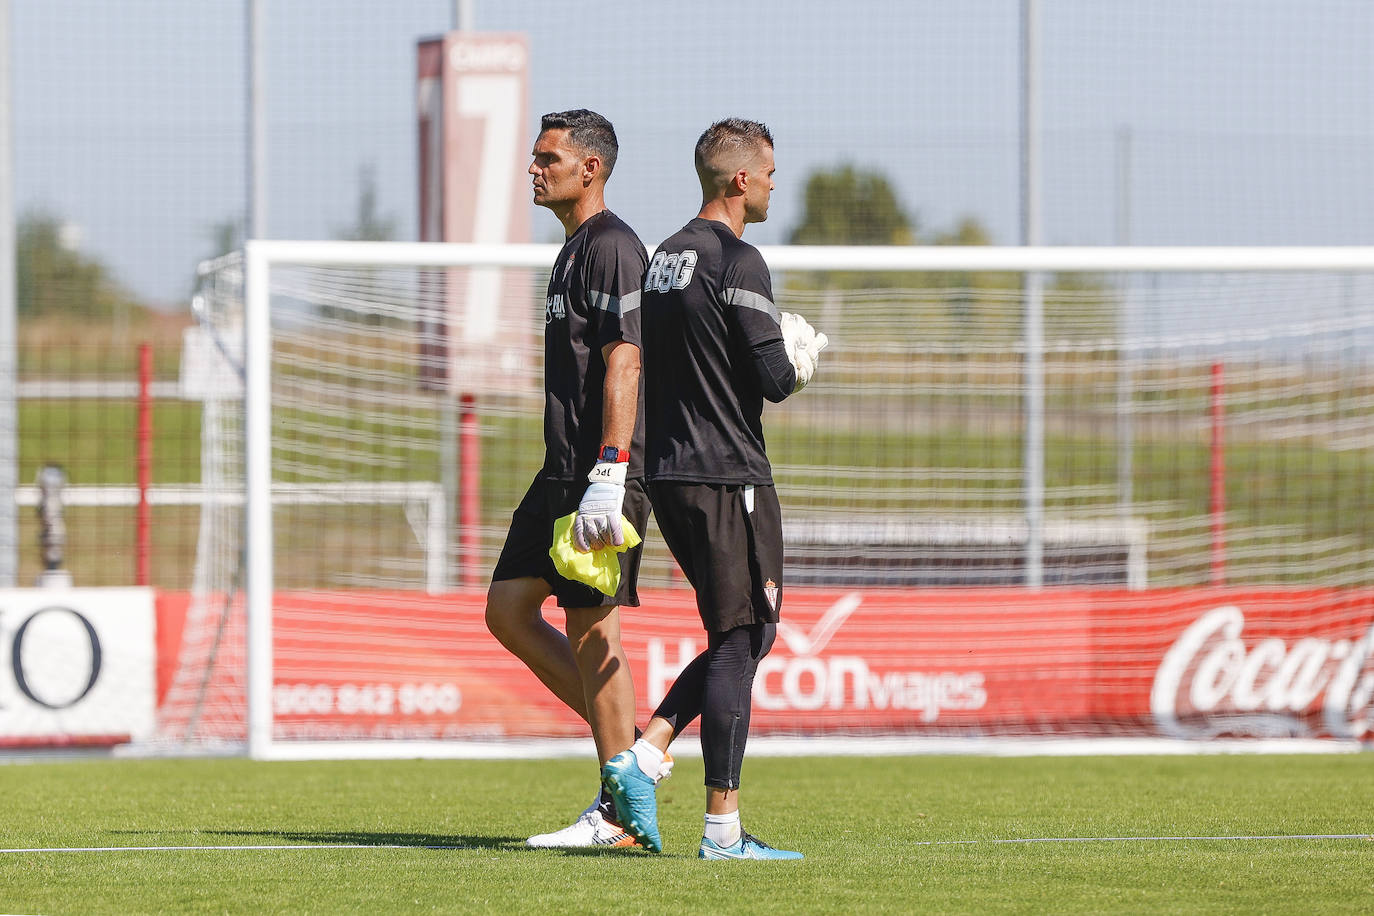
(853, 257)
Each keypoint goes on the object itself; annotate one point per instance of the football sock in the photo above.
(649, 758)
(723, 829)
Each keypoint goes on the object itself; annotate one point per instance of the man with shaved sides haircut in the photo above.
(593, 456)
(715, 347)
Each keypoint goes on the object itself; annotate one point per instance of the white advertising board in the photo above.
(76, 665)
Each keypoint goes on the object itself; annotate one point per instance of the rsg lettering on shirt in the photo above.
(554, 309)
(670, 270)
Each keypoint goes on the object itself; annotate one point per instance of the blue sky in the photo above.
(1249, 121)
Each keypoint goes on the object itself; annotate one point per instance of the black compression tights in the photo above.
(716, 685)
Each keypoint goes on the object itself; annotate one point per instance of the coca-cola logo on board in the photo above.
(1211, 682)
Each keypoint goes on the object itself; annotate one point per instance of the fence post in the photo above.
(1218, 475)
(469, 490)
(9, 366)
(143, 523)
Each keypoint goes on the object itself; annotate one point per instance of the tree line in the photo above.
(842, 205)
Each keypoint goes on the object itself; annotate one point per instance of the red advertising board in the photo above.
(1194, 662)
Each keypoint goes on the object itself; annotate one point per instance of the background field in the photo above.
(933, 446)
(890, 834)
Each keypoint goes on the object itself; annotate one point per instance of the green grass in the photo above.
(864, 824)
(97, 442)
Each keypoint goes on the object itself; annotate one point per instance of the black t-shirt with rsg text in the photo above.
(593, 300)
(708, 303)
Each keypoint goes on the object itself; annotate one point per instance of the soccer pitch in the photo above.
(881, 834)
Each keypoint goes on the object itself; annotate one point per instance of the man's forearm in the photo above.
(620, 396)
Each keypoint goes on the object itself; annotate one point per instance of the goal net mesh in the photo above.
(1200, 429)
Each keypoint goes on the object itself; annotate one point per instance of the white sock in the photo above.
(649, 758)
(723, 829)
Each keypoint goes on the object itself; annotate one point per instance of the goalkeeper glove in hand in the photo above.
(818, 343)
(597, 524)
(805, 367)
(804, 345)
(795, 333)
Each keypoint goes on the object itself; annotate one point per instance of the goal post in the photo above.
(260, 257)
(933, 451)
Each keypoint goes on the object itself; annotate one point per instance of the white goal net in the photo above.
(1152, 429)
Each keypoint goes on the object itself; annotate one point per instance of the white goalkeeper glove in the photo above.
(804, 345)
(597, 524)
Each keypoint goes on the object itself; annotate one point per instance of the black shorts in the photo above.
(731, 555)
(526, 552)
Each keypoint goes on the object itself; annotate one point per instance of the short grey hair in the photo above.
(727, 145)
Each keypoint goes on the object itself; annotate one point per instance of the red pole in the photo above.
(143, 524)
(1218, 507)
(469, 495)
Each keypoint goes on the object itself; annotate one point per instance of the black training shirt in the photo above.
(708, 312)
(593, 299)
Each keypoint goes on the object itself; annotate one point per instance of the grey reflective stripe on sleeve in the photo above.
(750, 300)
(615, 305)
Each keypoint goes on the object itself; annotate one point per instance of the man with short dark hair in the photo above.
(593, 456)
(715, 347)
